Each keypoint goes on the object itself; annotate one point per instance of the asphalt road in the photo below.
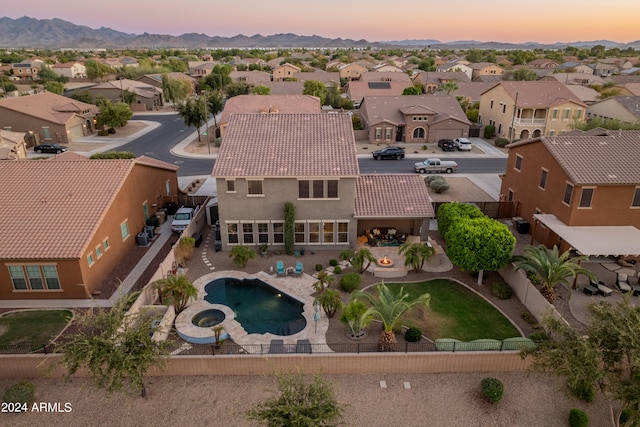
(466, 165)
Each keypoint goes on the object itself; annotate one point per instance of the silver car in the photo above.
(462, 144)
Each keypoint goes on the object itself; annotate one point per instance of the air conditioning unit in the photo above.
(143, 239)
(151, 231)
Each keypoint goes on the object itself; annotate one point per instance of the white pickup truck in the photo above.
(436, 165)
(183, 217)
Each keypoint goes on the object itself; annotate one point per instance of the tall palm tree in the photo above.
(415, 254)
(551, 267)
(176, 290)
(330, 301)
(362, 259)
(324, 278)
(389, 308)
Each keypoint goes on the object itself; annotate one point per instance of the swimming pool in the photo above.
(257, 306)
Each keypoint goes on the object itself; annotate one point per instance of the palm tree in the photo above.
(176, 290)
(415, 254)
(389, 308)
(324, 278)
(362, 259)
(449, 87)
(241, 254)
(551, 267)
(330, 301)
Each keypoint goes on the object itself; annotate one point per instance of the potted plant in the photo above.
(263, 249)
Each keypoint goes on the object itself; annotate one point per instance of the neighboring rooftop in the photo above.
(400, 196)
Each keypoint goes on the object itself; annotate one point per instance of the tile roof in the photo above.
(321, 76)
(282, 104)
(611, 159)
(538, 94)
(631, 103)
(379, 108)
(395, 195)
(358, 90)
(57, 204)
(48, 106)
(379, 76)
(287, 145)
(285, 88)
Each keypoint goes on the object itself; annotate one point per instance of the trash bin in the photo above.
(162, 216)
(522, 226)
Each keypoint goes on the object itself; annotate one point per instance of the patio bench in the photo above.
(590, 290)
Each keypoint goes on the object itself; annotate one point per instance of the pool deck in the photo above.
(297, 287)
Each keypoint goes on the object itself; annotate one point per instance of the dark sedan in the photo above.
(50, 148)
(389, 153)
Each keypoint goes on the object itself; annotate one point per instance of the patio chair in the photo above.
(276, 347)
(604, 290)
(303, 346)
(622, 282)
(592, 287)
(298, 270)
(280, 271)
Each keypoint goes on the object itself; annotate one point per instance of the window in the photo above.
(378, 134)
(263, 232)
(568, 192)
(387, 133)
(586, 197)
(51, 276)
(418, 133)
(332, 189)
(635, 203)
(34, 277)
(278, 232)
(314, 232)
(145, 210)
(491, 105)
(518, 165)
(303, 189)
(124, 230)
(231, 186)
(343, 232)
(254, 188)
(578, 113)
(318, 189)
(554, 114)
(543, 179)
(504, 108)
(90, 260)
(510, 196)
(566, 113)
(327, 229)
(47, 132)
(167, 188)
(247, 233)
(232, 233)
(105, 245)
(552, 132)
(298, 230)
(500, 129)
(17, 277)
(98, 251)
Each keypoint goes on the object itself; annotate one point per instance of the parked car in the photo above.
(389, 153)
(435, 165)
(50, 148)
(462, 144)
(446, 145)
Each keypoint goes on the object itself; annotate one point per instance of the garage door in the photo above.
(438, 134)
(75, 133)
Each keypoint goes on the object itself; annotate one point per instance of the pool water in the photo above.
(258, 307)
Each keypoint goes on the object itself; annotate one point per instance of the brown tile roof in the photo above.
(287, 145)
(381, 76)
(285, 88)
(397, 195)
(320, 76)
(283, 104)
(250, 77)
(376, 109)
(357, 90)
(596, 160)
(48, 106)
(539, 94)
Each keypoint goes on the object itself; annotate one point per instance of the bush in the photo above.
(501, 290)
(578, 418)
(103, 132)
(584, 391)
(21, 392)
(492, 389)
(489, 131)
(333, 262)
(430, 178)
(319, 267)
(424, 147)
(501, 142)
(625, 416)
(533, 279)
(439, 186)
(109, 155)
(413, 334)
(350, 282)
(337, 270)
(539, 336)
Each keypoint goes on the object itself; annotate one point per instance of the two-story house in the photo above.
(573, 181)
(485, 69)
(413, 118)
(71, 70)
(521, 110)
(267, 160)
(147, 97)
(431, 81)
(27, 70)
(625, 109)
(285, 71)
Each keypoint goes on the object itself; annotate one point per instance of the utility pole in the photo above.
(513, 118)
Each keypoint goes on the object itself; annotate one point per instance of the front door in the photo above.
(400, 134)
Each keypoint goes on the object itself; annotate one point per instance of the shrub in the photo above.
(501, 290)
(584, 391)
(103, 132)
(350, 282)
(109, 155)
(533, 279)
(333, 262)
(21, 392)
(319, 267)
(539, 336)
(492, 389)
(337, 270)
(528, 317)
(430, 178)
(439, 186)
(625, 416)
(501, 142)
(413, 334)
(578, 418)
(424, 147)
(489, 131)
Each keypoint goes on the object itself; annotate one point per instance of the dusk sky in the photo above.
(544, 21)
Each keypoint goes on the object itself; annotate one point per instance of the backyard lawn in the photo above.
(455, 312)
(35, 327)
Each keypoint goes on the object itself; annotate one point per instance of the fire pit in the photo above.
(385, 262)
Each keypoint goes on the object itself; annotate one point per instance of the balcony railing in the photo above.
(529, 121)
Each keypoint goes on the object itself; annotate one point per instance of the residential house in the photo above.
(12, 145)
(576, 67)
(575, 79)
(543, 63)
(253, 78)
(455, 67)
(53, 118)
(387, 68)
(521, 109)
(485, 69)
(156, 80)
(576, 181)
(71, 70)
(385, 76)
(199, 69)
(625, 109)
(284, 88)
(148, 97)
(72, 220)
(27, 70)
(431, 81)
(267, 160)
(628, 89)
(334, 65)
(352, 71)
(267, 104)
(471, 91)
(413, 118)
(585, 93)
(357, 90)
(606, 69)
(330, 79)
(285, 72)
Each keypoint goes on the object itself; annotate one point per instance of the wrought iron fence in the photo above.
(26, 348)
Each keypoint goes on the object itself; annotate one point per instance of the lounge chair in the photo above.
(298, 270)
(604, 290)
(592, 287)
(622, 282)
(276, 347)
(303, 346)
(280, 271)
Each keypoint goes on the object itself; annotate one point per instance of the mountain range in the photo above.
(28, 32)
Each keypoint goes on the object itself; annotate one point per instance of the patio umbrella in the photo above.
(316, 314)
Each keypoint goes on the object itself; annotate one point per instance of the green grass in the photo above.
(455, 312)
(36, 327)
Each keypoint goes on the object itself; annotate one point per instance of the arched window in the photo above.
(418, 133)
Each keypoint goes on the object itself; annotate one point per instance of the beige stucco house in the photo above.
(71, 70)
(285, 71)
(623, 108)
(148, 97)
(12, 145)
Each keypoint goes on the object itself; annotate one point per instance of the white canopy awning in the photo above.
(596, 240)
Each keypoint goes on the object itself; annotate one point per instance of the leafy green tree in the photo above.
(362, 259)
(297, 403)
(522, 74)
(46, 74)
(330, 300)
(317, 89)
(82, 96)
(415, 254)
(176, 290)
(215, 104)
(519, 57)
(237, 88)
(611, 124)
(129, 97)
(241, 254)
(474, 55)
(413, 90)
(551, 267)
(605, 356)
(472, 114)
(451, 213)
(96, 69)
(193, 112)
(114, 115)
(173, 90)
(261, 90)
(54, 87)
(114, 347)
(355, 316)
(389, 309)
